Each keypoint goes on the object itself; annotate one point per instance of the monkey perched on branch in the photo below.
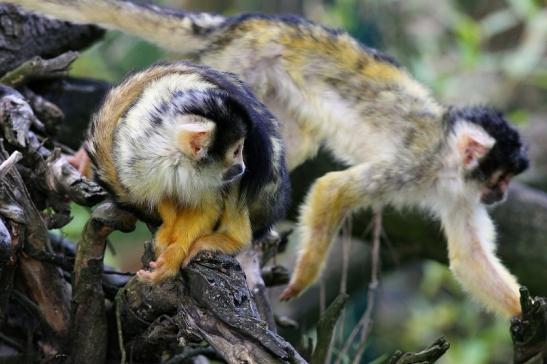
(191, 146)
(327, 89)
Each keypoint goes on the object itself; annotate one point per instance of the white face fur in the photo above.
(170, 159)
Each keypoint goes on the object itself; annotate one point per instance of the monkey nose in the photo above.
(233, 173)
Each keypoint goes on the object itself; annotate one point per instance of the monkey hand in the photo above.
(160, 271)
(81, 161)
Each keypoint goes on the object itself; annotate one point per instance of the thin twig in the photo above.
(346, 248)
(346, 237)
(325, 328)
(391, 248)
(38, 67)
(322, 296)
(119, 327)
(363, 326)
(14, 344)
(373, 285)
(10, 162)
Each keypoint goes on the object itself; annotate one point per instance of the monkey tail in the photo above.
(174, 30)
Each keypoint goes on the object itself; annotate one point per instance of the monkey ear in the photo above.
(195, 138)
(473, 144)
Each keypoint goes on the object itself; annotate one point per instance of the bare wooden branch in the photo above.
(63, 179)
(250, 262)
(47, 112)
(366, 321)
(24, 35)
(37, 67)
(42, 282)
(9, 163)
(89, 324)
(363, 326)
(77, 98)
(16, 117)
(529, 332)
(209, 301)
(426, 356)
(8, 259)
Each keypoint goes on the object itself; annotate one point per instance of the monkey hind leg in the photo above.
(179, 229)
(214, 242)
(330, 199)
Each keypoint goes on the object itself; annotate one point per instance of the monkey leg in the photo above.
(232, 235)
(168, 212)
(180, 228)
(471, 251)
(216, 242)
(329, 200)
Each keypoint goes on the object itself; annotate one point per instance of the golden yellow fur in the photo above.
(186, 230)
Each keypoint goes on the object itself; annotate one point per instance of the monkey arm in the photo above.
(329, 200)
(179, 229)
(471, 251)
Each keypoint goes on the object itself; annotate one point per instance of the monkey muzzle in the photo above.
(233, 173)
(493, 196)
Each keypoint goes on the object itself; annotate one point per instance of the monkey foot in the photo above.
(289, 293)
(160, 271)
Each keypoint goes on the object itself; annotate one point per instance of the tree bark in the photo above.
(24, 35)
(209, 301)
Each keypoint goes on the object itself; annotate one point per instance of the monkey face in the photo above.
(495, 188)
(233, 162)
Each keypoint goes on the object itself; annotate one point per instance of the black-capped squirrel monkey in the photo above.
(192, 147)
(327, 89)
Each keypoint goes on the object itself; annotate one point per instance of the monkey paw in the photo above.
(289, 293)
(160, 271)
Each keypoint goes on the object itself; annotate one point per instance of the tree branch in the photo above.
(89, 325)
(24, 35)
(208, 301)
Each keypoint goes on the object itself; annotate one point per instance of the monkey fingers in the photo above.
(81, 161)
(166, 265)
(151, 276)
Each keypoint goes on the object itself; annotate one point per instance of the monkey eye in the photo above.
(237, 150)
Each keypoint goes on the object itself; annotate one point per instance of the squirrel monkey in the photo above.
(193, 147)
(327, 89)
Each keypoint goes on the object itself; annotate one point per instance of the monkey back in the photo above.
(127, 136)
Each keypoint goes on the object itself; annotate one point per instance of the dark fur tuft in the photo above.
(508, 154)
(258, 149)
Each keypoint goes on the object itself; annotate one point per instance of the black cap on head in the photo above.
(508, 153)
